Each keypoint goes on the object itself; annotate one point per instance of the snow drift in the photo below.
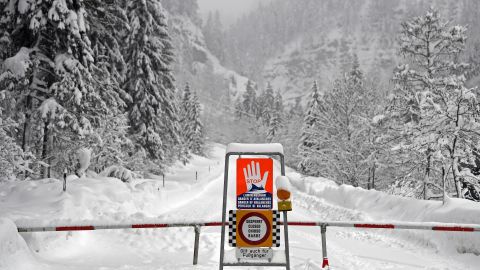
(15, 253)
(381, 207)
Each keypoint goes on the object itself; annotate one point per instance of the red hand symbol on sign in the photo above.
(252, 176)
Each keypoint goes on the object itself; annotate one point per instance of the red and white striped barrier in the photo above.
(114, 226)
(433, 226)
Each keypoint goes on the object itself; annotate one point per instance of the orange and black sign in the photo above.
(249, 228)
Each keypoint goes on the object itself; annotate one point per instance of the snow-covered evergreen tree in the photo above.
(198, 143)
(296, 109)
(306, 148)
(56, 58)
(430, 86)
(153, 112)
(192, 128)
(342, 147)
(277, 118)
(249, 102)
(110, 143)
(266, 104)
(334, 137)
(11, 155)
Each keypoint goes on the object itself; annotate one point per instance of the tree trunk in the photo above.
(427, 174)
(45, 148)
(26, 128)
(455, 173)
(26, 125)
(369, 179)
(373, 176)
(444, 175)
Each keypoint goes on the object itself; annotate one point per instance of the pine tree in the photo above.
(11, 155)
(186, 123)
(276, 121)
(297, 109)
(110, 143)
(239, 113)
(425, 88)
(249, 105)
(334, 139)
(153, 113)
(266, 105)
(342, 145)
(198, 143)
(56, 81)
(309, 133)
(192, 128)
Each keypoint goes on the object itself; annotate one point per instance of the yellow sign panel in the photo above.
(254, 228)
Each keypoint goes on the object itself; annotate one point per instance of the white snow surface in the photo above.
(282, 182)
(104, 200)
(254, 148)
(83, 155)
(19, 63)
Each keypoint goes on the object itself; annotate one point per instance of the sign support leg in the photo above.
(287, 247)
(285, 219)
(224, 209)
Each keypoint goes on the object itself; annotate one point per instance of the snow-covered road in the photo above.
(187, 199)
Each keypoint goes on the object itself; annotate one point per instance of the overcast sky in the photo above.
(229, 9)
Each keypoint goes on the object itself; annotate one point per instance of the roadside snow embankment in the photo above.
(14, 252)
(382, 207)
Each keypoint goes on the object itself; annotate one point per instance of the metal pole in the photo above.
(224, 209)
(197, 240)
(65, 180)
(287, 247)
(323, 231)
(163, 179)
(285, 219)
(196, 175)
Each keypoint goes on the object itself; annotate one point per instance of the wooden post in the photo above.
(65, 180)
(443, 184)
(196, 175)
(195, 248)
(163, 179)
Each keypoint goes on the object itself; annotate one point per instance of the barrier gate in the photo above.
(235, 149)
(260, 150)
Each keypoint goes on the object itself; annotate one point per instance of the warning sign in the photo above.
(249, 228)
(254, 183)
(254, 229)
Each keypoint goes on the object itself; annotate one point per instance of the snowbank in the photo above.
(380, 206)
(14, 252)
(254, 148)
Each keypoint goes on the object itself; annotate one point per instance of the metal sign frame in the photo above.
(224, 213)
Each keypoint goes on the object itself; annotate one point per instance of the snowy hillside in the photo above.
(296, 42)
(197, 66)
(321, 59)
(110, 201)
